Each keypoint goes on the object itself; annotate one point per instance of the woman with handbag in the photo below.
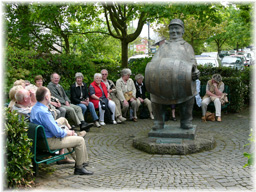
(214, 91)
(126, 93)
(99, 96)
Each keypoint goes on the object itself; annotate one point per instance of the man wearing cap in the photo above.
(170, 77)
(79, 96)
(73, 111)
(214, 91)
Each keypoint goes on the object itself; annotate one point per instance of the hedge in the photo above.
(18, 168)
(26, 64)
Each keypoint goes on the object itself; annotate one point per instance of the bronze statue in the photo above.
(170, 77)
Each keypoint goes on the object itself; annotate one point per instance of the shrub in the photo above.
(18, 155)
(250, 156)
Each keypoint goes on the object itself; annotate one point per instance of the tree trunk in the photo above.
(124, 53)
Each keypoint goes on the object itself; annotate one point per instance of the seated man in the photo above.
(112, 95)
(80, 97)
(141, 94)
(73, 111)
(214, 91)
(22, 106)
(57, 137)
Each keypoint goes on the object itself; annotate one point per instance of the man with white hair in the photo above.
(112, 95)
(73, 111)
(23, 102)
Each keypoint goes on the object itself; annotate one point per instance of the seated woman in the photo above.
(126, 93)
(141, 94)
(214, 91)
(98, 91)
(79, 96)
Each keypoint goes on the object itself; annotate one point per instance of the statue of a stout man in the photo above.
(170, 77)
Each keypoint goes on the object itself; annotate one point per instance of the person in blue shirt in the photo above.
(57, 137)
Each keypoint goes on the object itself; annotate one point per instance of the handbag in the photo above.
(128, 95)
(104, 103)
(209, 116)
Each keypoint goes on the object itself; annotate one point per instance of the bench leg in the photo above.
(35, 168)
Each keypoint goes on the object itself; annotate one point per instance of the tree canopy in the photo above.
(103, 30)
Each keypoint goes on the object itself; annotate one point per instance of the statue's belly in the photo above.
(170, 78)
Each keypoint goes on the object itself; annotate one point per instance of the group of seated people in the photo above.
(49, 106)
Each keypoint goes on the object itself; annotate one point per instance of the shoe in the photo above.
(102, 123)
(135, 119)
(81, 134)
(203, 119)
(85, 126)
(151, 116)
(82, 171)
(65, 161)
(174, 119)
(219, 119)
(121, 118)
(97, 124)
(114, 122)
(84, 165)
(118, 121)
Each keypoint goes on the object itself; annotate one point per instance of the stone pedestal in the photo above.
(171, 131)
(174, 141)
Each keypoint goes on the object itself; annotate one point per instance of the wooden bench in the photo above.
(211, 104)
(40, 148)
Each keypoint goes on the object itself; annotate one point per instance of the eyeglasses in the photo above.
(104, 74)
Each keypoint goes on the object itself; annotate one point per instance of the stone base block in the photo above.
(171, 131)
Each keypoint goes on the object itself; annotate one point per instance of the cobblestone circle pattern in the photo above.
(119, 166)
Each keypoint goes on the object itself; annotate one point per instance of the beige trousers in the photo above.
(217, 105)
(135, 107)
(74, 112)
(63, 121)
(75, 142)
(147, 102)
(118, 110)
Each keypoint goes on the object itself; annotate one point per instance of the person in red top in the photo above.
(98, 92)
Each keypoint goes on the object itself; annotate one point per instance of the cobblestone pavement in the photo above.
(119, 166)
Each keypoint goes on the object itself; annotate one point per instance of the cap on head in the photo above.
(217, 78)
(78, 74)
(176, 22)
